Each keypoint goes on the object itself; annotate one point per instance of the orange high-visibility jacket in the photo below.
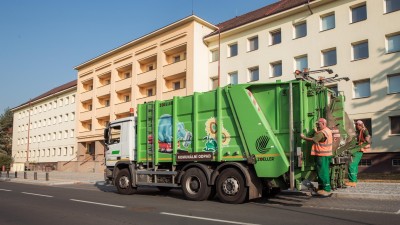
(323, 148)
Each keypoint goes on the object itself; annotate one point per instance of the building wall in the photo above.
(379, 106)
(111, 85)
(47, 132)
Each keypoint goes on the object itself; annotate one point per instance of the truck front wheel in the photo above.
(194, 185)
(124, 183)
(231, 187)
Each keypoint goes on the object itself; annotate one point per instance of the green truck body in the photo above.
(239, 140)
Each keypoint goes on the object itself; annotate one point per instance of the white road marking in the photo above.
(27, 193)
(209, 219)
(398, 212)
(4, 190)
(97, 203)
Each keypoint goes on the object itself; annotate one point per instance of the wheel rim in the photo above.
(124, 182)
(193, 185)
(230, 186)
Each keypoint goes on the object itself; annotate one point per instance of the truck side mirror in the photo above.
(106, 136)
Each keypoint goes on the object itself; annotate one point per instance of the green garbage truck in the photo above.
(236, 142)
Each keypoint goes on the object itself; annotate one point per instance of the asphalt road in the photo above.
(90, 204)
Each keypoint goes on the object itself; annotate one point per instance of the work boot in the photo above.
(324, 193)
(350, 184)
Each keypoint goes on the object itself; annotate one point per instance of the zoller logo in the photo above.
(262, 143)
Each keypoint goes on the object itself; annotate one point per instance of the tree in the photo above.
(6, 123)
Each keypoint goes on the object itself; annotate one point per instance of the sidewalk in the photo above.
(54, 177)
(365, 190)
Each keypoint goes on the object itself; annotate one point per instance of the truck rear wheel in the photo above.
(124, 183)
(194, 185)
(231, 187)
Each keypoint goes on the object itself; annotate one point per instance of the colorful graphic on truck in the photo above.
(184, 137)
(211, 129)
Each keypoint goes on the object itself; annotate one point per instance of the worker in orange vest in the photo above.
(364, 141)
(322, 149)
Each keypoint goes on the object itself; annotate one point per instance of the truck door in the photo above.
(113, 153)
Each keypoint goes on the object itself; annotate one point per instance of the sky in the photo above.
(41, 41)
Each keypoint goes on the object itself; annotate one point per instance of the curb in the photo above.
(392, 197)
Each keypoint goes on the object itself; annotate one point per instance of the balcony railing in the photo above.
(170, 94)
(146, 77)
(103, 90)
(87, 115)
(123, 84)
(174, 68)
(122, 107)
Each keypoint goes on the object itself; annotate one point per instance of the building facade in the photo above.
(44, 131)
(171, 61)
(357, 39)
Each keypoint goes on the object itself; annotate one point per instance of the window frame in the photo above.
(352, 8)
(230, 77)
(391, 127)
(295, 26)
(387, 42)
(300, 57)
(386, 8)
(361, 81)
(272, 35)
(358, 43)
(256, 43)
(272, 68)
(230, 49)
(388, 86)
(214, 55)
(251, 70)
(325, 51)
(322, 17)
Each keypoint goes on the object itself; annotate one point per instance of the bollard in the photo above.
(8, 174)
(47, 176)
(35, 175)
(16, 174)
(25, 175)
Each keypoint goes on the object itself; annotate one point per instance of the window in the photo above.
(365, 163)
(73, 99)
(233, 50)
(329, 57)
(392, 5)
(71, 134)
(214, 56)
(66, 100)
(254, 74)
(214, 83)
(276, 69)
(393, 83)
(176, 85)
(358, 13)
(72, 116)
(362, 89)
(300, 30)
(65, 134)
(393, 43)
(177, 58)
(127, 98)
(60, 119)
(90, 107)
(275, 37)
(233, 78)
(150, 67)
(394, 125)
(253, 43)
(360, 50)
(54, 136)
(72, 151)
(107, 102)
(66, 117)
(127, 75)
(334, 88)
(149, 92)
(328, 22)
(301, 62)
(395, 162)
(60, 102)
(48, 136)
(54, 120)
(59, 135)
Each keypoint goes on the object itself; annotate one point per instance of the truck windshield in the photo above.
(115, 135)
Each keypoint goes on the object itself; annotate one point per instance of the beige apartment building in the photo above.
(44, 131)
(171, 61)
(359, 39)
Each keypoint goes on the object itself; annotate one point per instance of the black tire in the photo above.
(194, 185)
(231, 186)
(124, 183)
